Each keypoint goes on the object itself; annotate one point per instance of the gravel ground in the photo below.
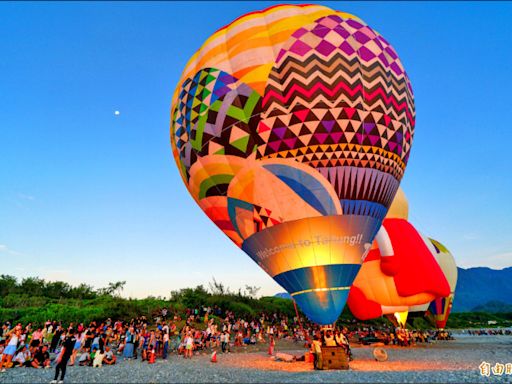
(440, 362)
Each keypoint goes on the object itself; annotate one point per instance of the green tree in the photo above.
(33, 285)
(8, 284)
(57, 290)
(113, 289)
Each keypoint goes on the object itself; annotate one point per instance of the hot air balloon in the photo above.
(447, 266)
(406, 275)
(439, 309)
(291, 128)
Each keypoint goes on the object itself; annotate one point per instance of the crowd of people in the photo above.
(490, 332)
(402, 337)
(201, 329)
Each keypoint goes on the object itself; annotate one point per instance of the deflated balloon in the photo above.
(292, 128)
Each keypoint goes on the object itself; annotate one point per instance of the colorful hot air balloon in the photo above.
(291, 128)
(440, 308)
(446, 266)
(399, 272)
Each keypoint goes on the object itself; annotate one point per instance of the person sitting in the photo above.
(22, 357)
(41, 358)
(329, 339)
(98, 359)
(110, 358)
(92, 355)
(84, 359)
(342, 341)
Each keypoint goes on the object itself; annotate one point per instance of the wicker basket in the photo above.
(334, 358)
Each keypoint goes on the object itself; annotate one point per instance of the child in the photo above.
(84, 359)
(109, 358)
(271, 345)
(98, 359)
(189, 345)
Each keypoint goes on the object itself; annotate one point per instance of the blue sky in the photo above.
(88, 196)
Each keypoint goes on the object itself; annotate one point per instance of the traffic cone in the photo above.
(152, 356)
(214, 357)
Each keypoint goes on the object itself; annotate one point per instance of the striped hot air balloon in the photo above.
(439, 309)
(292, 128)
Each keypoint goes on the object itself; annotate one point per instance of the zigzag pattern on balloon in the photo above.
(352, 38)
(316, 92)
(291, 74)
(337, 155)
(354, 183)
(371, 74)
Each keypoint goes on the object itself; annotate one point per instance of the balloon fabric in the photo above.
(292, 128)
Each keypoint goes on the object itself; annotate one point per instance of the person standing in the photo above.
(317, 353)
(189, 345)
(10, 349)
(64, 355)
(129, 343)
(78, 344)
(56, 338)
(271, 345)
(166, 342)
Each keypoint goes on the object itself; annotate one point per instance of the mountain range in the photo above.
(483, 289)
(479, 289)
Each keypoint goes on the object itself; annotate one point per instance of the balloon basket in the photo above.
(334, 358)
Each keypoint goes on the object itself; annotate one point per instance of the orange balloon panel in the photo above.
(393, 283)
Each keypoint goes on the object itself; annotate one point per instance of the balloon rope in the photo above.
(300, 322)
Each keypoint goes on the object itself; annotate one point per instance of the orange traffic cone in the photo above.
(214, 357)
(152, 356)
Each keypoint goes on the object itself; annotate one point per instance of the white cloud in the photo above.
(471, 236)
(56, 275)
(500, 260)
(23, 196)
(496, 261)
(5, 249)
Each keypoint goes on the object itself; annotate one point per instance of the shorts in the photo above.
(10, 350)
(77, 346)
(188, 347)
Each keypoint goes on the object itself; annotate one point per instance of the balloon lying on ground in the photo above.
(398, 274)
(439, 309)
(291, 128)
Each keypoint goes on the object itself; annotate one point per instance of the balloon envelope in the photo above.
(291, 128)
(439, 309)
(390, 284)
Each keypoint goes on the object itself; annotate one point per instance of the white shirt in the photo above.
(20, 357)
(14, 340)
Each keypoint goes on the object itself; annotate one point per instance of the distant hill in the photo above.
(478, 289)
(494, 307)
(485, 289)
